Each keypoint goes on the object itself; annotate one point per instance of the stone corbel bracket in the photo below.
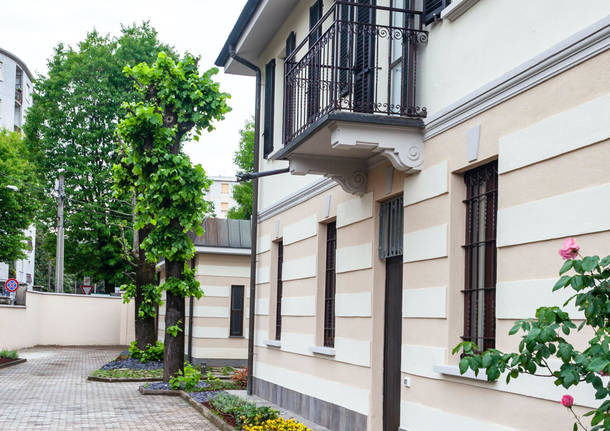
(350, 174)
(403, 146)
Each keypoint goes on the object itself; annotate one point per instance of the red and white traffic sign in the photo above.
(86, 289)
(11, 285)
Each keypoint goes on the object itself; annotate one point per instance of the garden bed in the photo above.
(7, 362)
(127, 369)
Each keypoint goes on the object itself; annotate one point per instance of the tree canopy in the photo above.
(17, 196)
(244, 159)
(72, 126)
(176, 103)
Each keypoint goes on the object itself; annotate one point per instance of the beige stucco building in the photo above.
(219, 322)
(401, 231)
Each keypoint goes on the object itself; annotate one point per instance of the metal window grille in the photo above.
(391, 220)
(480, 281)
(330, 289)
(237, 311)
(278, 303)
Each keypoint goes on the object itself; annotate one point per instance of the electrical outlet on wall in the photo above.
(407, 382)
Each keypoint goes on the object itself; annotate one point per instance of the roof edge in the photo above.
(18, 61)
(238, 29)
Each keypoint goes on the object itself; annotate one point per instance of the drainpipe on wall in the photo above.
(254, 222)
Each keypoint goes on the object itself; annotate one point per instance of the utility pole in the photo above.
(59, 255)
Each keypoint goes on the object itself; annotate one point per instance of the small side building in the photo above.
(219, 320)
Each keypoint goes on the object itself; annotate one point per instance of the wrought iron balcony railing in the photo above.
(359, 58)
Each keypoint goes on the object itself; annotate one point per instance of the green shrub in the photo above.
(10, 354)
(187, 379)
(150, 353)
(244, 412)
(226, 370)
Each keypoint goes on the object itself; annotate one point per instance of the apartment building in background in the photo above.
(16, 89)
(221, 194)
(439, 153)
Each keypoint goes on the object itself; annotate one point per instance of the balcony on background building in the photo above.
(349, 93)
(18, 97)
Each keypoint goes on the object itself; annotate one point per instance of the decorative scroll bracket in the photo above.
(350, 174)
(403, 146)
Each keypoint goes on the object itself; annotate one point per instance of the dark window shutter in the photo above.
(278, 298)
(237, 311)
(291, 44)
(346, 16)
(433, 8)
(269, 107)
(364, 67)
(315, 14)
(331, 283)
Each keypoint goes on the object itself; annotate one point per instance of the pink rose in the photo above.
(567, 401)
(569, 249)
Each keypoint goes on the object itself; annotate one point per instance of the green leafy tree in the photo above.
(17, 196)
(544, 338)
(71, 126)
(244, 159)
(177, 103)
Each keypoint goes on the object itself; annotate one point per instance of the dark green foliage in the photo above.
(244, 159)
(150, 353)
(544, 339)
(186, 379)
(17, 206)
(244, 412)
(72, 126)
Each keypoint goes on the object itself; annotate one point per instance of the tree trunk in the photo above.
(173, 357)
(146, 330)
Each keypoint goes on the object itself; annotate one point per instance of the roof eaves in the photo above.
(242, 22)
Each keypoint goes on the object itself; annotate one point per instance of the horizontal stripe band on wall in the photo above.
(520, 299)
(298, 306)
(426, 184)
(424, 244)
(209, 311)
(353, 304)
(574, 213)
(354, 258)
(262, 275)
(216, 291)
(427, 302)
(223, 271)
(575, 128)
(296, 269)
(210, 332)
(262, 306)
(414, 416)
(350, 397)
(351, 351)
(263, 244)
(220, 352)
(355, 210)
(300, 230)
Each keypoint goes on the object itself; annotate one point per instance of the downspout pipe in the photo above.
(254, 222)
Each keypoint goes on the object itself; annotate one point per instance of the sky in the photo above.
(30, 30)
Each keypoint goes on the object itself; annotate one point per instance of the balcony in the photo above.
(349, 93)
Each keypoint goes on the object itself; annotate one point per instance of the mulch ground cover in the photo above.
(225, 416)
(7, 360)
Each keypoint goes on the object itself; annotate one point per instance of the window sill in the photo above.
(273, 343)
(236, 336)
(454, 370)
(324, 351)
(456, 9)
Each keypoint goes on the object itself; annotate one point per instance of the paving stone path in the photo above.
(50, 392)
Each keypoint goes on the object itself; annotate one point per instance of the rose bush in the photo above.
(543, 338)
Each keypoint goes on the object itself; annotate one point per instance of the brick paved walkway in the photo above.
(50, 392)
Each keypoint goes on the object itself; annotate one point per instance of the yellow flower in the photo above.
(278, 424)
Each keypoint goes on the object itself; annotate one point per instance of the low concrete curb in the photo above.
(207, 413)
(123, 380)
(15, 362)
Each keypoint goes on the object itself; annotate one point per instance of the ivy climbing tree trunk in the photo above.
(146, 331)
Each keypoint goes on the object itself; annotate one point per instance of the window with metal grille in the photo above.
(291, 43)
(237, 311)
(391, 220)
(480, 283)
(433, 9)
(278, 301)
(269, 108)
(331, 282)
